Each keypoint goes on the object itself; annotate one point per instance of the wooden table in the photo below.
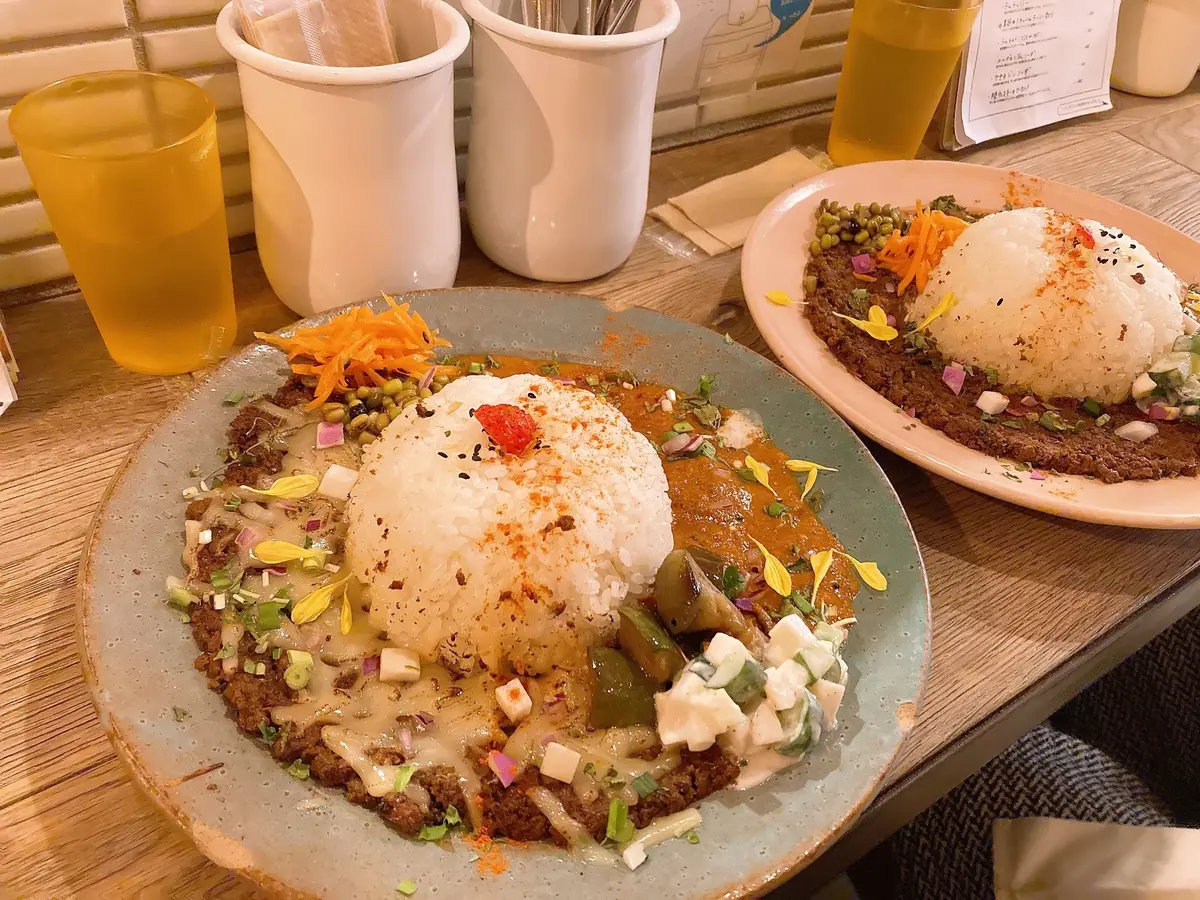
(1027, 608)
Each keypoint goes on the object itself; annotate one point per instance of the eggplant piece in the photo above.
(622, 694)
(642, 637)
(710, 564)
(688, 601)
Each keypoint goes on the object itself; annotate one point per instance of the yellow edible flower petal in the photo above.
(290, 487)
(778, 577)
(944, 306)
(820, 562)
(868, 572)
(761, 472)
(779, 298)
(876, 315)
(879, 332)
(275, 553)
(347, 616)
(803, 465)
(809, 483)
(316, 603)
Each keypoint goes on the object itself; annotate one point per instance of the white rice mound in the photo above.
(468, 570)
(1051, 316)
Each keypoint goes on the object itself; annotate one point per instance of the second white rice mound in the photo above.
(527, 558)
(1047, 312)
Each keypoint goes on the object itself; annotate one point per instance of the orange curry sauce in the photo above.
(712, 506)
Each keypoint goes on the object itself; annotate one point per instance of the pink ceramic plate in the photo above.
(774, 258)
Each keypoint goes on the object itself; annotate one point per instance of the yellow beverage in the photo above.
(898, 60)
(126, 165)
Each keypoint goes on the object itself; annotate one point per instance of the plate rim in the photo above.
(765, 316)
(211, 845)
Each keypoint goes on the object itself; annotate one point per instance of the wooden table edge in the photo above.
(900, 803)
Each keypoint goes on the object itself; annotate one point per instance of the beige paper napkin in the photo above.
(717, 216)
(1057, 859)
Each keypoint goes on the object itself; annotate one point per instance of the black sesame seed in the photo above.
(1001, 300)
(443, 455)
(1114, 262)
(462, 456)
(471, 413)
(531, 395)
(463, 475)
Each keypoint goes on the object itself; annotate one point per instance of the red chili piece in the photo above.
(510, 427)
(1085, 237)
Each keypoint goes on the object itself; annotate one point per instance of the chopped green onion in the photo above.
(592, 380)
(775, 509)
(452, 816)
(692, 837)
(406, 887)
(491, 363)
(681, 427)
(403, 777)
(222, 579)
(706, 449)
(432, 832)
(1103, 420)
(706, 386)
(196, 472)
(645, 785)
(799, 599)
(550, 369)
(993, 377)
(298, 770)
(745, 474)
(475, 369)
(233, 503)
(227, 651)
(728, 339)
(259, 618)
(1092, 407)
(619, 828)
(180, 598)
(297, 676)
(179, 713)
(248, 666)
(276, 652)
(233, 398)
(267, 731)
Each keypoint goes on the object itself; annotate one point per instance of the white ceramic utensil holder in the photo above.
(559, 156)
(353, 170)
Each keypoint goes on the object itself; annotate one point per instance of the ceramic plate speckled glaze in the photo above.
(306, 841)
(774, 258)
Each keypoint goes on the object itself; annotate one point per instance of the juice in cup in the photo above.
(898, 60)
(126, 165)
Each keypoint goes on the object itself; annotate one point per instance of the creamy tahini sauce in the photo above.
(712, 508)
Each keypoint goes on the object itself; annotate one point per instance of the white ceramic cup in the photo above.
(353, 170)
(559, 157)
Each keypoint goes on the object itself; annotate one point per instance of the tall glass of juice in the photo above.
(898, 60)
(126, 166)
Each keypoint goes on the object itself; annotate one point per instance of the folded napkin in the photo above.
(717, 216)
(1056, 859)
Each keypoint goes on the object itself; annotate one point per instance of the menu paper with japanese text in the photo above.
(1030, 63)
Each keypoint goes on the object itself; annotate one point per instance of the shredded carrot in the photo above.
(913, 256)
(360, 348)
(861, 277)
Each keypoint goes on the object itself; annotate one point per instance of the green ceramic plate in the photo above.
(303, 840)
